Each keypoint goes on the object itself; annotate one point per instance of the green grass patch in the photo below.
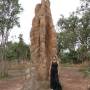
(3, 76)
(85, 71)
(67, 65)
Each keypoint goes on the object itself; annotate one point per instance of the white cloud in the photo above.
(58, 7)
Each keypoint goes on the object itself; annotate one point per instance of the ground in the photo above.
(14, 84)
(70, 77)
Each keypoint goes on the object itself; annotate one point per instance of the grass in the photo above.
(18, 66)
(3, 76)
(67, 65)
(14, 70)
(85, 71)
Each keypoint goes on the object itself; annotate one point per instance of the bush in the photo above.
(71, 57)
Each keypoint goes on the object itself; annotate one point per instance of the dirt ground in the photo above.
(14, 84)
(70, 78)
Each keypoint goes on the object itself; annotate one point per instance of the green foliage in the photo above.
(85, 71)
(74, 34)
(68, 34)
(69, 57)
(23, 49)
(65, 58)
(12, 51)
(9, 10)
(4, 76)
(18, 51)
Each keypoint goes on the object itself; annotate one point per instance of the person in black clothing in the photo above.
(54, 79)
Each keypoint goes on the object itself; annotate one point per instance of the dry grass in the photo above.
(70, 77)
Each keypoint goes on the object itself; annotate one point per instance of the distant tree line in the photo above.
(74, 35)
(18, 51)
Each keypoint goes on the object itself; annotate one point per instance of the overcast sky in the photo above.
(58, 7)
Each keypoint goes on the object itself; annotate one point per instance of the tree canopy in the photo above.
(9, 10)
(74, 32)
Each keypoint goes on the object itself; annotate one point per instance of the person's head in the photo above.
(54, 59)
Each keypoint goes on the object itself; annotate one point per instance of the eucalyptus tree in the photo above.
(9, 10)
(75, 29)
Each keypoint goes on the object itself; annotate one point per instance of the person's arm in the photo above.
(58, 67)
(50, 69)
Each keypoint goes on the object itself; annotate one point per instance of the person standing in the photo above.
(54, 78)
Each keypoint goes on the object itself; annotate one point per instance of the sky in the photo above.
(58, 7)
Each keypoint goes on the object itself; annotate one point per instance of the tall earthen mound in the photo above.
(43, 46)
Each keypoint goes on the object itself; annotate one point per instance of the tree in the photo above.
(23, 50)
(84, 28)
(9, 10)
(75, 30)
(11, 52)
(67, 38)
(17, 51)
